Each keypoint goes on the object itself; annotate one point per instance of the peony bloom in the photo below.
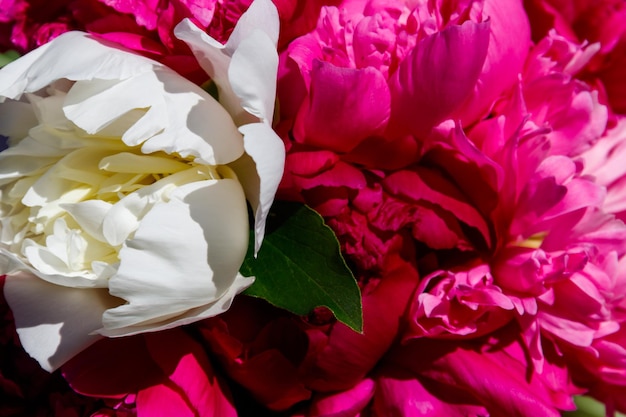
(124, 186)
(159, 373)
(361, 95)
(597, 22)
(486, 178)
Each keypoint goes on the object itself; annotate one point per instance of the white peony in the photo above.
(123, 185)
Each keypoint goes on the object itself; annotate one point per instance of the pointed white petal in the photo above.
(54, 322)
(185, 254)
(258, 26)
(260, 176)
(191, 316)
(261, 15)
(252, 75)
(214, 60)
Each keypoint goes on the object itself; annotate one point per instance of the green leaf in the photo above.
(7, 57)
(588, 407)
(300, 267)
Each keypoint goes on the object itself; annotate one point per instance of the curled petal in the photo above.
(229, 67)
(260, 172)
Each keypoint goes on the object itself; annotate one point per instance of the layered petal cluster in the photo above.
(596, 22)
(123, 185)
(437, 131)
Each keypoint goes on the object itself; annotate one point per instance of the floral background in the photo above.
(469, 157)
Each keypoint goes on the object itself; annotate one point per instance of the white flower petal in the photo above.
(191, 316)
(73, 55)
(88, 103)
(260, 174)
(198, 125)
(252, 75)
(185, 254)
(54, 322)
(123, 218)
(13, 264)
(89, 215)
(261, 15)
(215, 59)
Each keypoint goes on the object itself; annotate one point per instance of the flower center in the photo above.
(69, 199)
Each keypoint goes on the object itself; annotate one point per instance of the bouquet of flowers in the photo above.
(312, 208)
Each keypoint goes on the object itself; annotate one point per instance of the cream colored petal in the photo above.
(215, 58)
(261, 172)
(90, 216)
(193, 315)
(185, 255)
(198, 125)
(252, 75)
(16, 118)
(54, 323)
(72, 55)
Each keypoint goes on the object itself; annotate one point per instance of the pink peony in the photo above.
(596, 22)
(378, 48)
(164, 373)
(347, 88)
(483, 185)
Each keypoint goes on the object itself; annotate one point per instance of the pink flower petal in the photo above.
(400, 393)
(349, 356)
(438, 75)
(163, 401)
(509, 41)
(345, 106)
(190, 374)
(343, 404)
(112, 368)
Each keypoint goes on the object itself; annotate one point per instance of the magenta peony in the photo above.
(595, 22)
(440, 127)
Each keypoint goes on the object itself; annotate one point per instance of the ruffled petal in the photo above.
(182, 264)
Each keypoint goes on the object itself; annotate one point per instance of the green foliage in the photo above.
(7, 57)
(300, 267)
(588, 407)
